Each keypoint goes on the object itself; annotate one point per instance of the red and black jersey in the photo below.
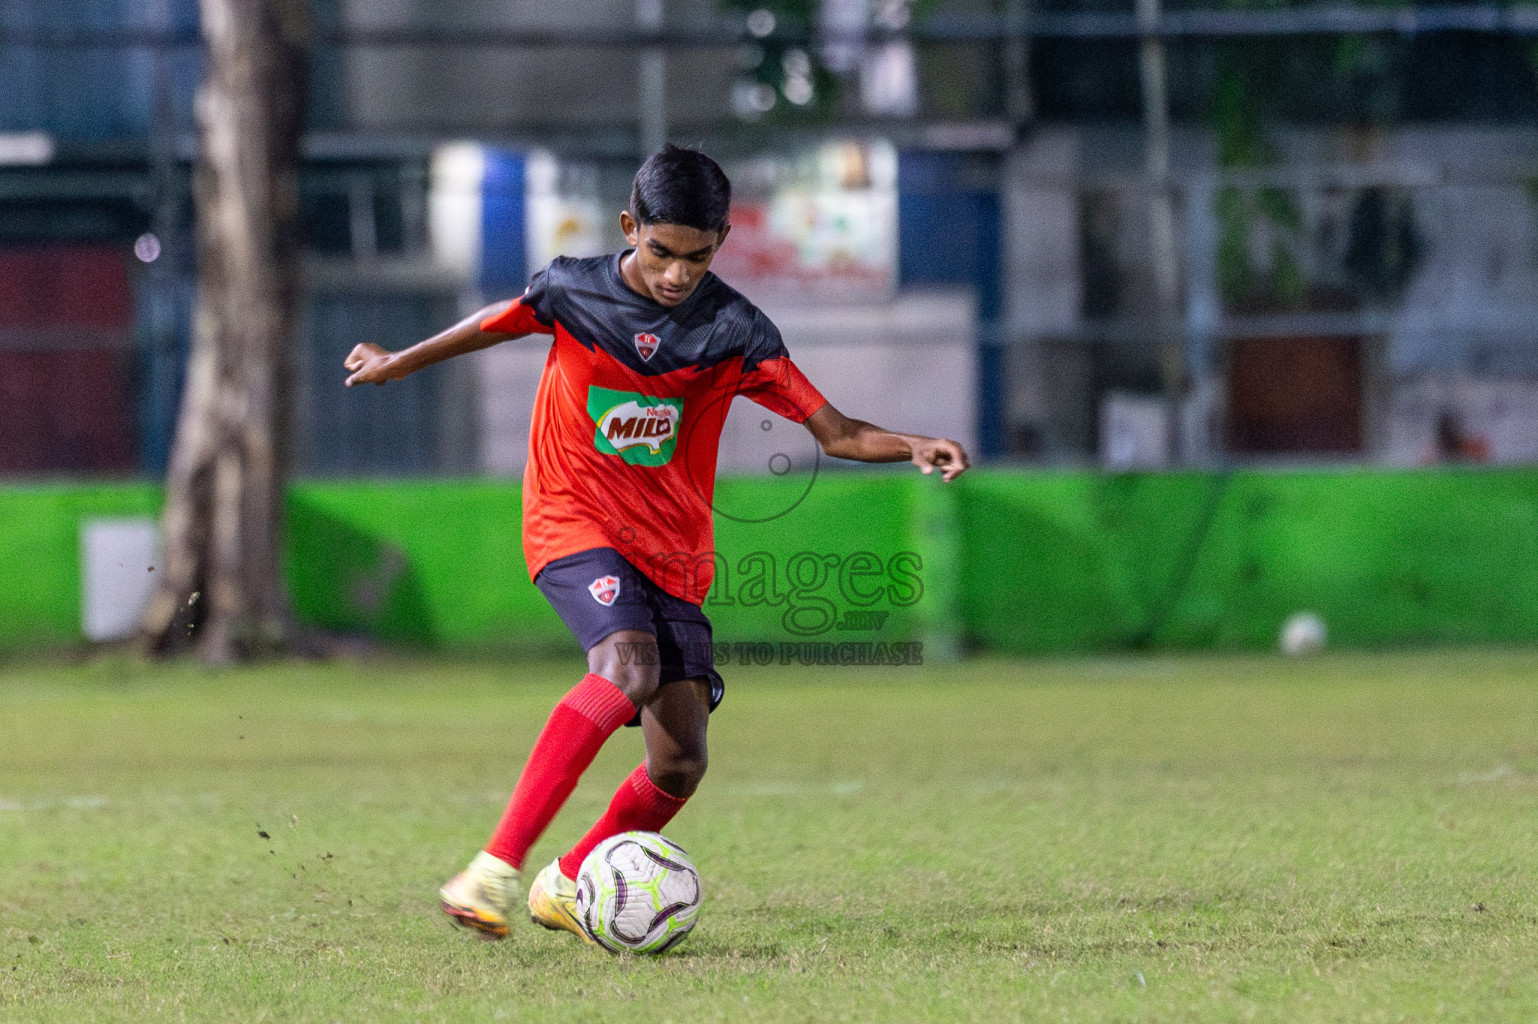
(628, 416)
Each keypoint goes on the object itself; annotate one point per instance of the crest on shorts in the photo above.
(604, 590)
(646, 344)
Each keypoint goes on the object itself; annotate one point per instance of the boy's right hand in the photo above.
(370, 365)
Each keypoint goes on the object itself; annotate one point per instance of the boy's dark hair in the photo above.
(681, 186)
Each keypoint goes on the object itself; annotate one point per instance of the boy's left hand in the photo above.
(938, 453)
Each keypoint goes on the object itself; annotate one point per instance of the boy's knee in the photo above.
(677, 776)
(636, 682)
(631, 663)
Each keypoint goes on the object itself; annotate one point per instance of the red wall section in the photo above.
(66, 323)
(65, 286)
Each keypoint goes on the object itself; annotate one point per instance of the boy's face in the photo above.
(670, 260)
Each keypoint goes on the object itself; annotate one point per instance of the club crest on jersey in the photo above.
(646, 344)
(641, 429)
(604, 590)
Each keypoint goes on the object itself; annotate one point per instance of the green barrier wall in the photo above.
(440, 564)
(40, 555)
(1018, 563)
(1193, 561)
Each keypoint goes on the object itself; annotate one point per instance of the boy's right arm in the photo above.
(371, 364)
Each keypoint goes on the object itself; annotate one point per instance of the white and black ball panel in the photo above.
(638, 892)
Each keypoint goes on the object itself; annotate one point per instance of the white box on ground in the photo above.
(118, 562)
(1134, 432)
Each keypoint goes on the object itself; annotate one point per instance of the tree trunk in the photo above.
(222, 593)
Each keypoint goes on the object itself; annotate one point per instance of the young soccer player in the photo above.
(649, 349)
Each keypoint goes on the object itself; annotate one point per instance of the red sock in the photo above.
(638, 806)
(584, 718)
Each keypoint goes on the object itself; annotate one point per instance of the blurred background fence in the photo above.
(1285, 250)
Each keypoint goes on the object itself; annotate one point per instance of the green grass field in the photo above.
(1202, 839)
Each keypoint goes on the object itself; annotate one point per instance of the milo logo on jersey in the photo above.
(640, 429)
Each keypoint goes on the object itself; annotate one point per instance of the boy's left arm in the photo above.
(844, 438)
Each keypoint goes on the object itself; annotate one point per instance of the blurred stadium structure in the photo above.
(1355, 243)
(1072, 233)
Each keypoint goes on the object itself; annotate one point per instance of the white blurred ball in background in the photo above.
(1302, 634)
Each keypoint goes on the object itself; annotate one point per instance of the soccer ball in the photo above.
(1302, 634)
(637, 893)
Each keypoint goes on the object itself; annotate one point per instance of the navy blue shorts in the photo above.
(597, 592)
